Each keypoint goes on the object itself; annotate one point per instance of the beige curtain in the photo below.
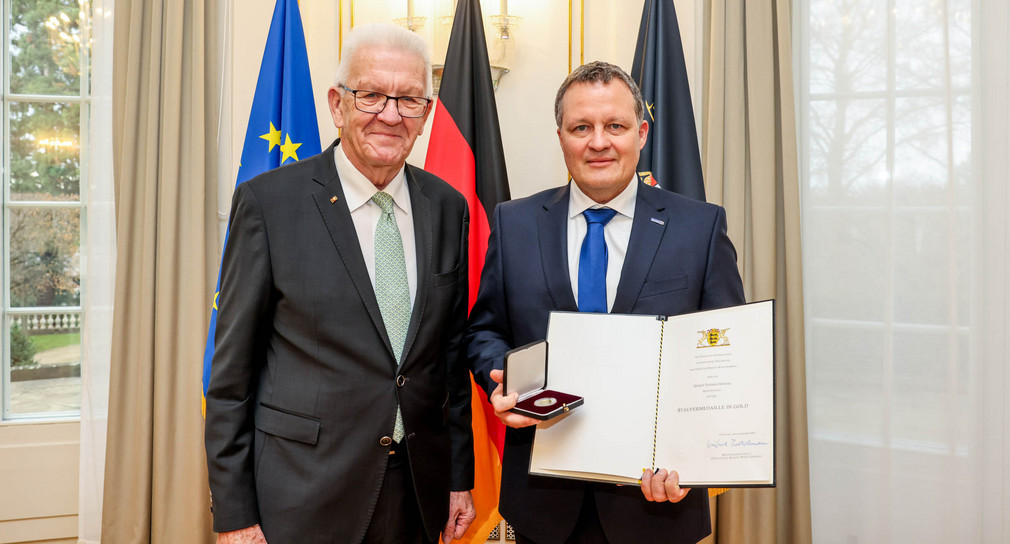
(750, 162)
(164, 125)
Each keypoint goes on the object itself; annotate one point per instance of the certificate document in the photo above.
(692, 393)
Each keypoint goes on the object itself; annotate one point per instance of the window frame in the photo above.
(890, 94)
(7, 98)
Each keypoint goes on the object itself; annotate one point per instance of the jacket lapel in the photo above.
(420, 207)
(552, 226)
(646, 234)
(333, 207)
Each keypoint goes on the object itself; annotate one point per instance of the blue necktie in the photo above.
(593, 262)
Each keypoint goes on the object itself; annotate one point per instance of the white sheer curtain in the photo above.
(100, 259)
(905, 259)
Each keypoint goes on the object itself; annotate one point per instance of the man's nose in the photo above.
(598, 140)
(390, 114)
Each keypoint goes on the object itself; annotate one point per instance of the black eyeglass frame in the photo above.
(387, 98)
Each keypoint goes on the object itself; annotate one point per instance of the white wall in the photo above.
(38, 481)
(538, 64)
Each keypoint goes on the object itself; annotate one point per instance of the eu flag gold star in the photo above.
(288, 149)
(274, 137)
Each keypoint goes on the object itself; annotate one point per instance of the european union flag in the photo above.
(282, 124)
(670, 156)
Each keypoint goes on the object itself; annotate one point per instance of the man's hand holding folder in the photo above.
(661, 486)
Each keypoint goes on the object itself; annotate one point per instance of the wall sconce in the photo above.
(410, 22)
(436, 76)
(503, 26)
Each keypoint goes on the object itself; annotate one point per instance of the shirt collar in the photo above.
(623, 203)
(358, 190)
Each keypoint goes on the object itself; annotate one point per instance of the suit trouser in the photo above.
(396, 519)
(587, 529)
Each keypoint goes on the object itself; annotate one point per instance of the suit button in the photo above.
(400, 380)
(385, 441)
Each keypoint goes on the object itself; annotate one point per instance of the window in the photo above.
(46, 88)
(889, 223)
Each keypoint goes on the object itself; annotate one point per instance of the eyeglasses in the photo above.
(375, 102)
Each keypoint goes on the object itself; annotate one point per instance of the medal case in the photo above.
(526, 374)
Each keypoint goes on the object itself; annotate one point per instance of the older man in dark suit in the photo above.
(603, 243)
(338, 407)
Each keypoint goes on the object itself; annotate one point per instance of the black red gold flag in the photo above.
(465, 149)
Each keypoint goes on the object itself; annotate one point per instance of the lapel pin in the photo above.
(333, 199)
(657, 221)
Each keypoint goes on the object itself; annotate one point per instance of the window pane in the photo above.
(45, 363)
(848, 152)
(933, 255)
(851, 249)
(45, 151)
(845, 387)
(848, 46)
(45, 258)
(922, 169)
(962, 150)
(959, 32)
(922, 378)
(920, 52)
(45, 47)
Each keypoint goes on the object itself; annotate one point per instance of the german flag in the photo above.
(465, 149)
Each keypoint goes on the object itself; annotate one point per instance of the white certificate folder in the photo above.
(692, 393)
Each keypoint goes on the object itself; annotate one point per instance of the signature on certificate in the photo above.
(735, 443)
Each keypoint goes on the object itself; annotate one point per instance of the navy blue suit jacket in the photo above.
(679, 260)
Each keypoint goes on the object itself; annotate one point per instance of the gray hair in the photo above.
(599, 72)
(383, 36)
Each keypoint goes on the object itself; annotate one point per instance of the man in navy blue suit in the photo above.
(603, 243)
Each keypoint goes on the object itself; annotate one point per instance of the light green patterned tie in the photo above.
(391, 287)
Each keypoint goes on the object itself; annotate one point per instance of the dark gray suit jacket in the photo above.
(679, 260)
(304, 384)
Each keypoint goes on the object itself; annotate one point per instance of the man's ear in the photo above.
(643, 133)
(333, 98)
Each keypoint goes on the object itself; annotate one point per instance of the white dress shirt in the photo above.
(358, 191)
(617, 234)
